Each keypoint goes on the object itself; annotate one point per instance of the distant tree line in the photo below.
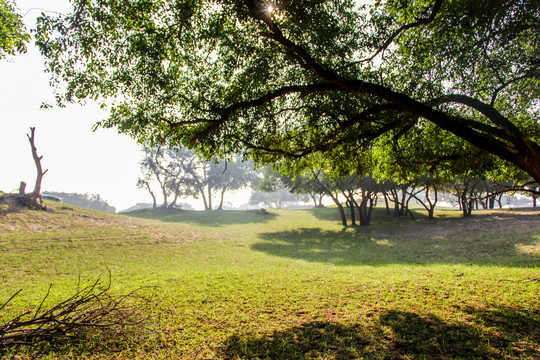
(473, 184)
(358, 195)
(181, 173)
(90, 201)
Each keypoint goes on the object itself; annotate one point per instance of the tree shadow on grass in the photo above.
(213, 218)
(494, 240)
(378, 216)
(312, 340)
(394, 335)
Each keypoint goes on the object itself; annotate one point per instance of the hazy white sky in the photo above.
(78, 159)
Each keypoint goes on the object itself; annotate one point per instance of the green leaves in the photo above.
(330, 77)
(13, 34)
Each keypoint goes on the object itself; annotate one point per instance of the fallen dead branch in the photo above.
(91, 311)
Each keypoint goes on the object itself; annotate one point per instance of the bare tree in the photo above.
(32, 200)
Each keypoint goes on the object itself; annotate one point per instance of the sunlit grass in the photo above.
(293, 284)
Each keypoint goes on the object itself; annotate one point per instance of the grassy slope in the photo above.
(294, 284)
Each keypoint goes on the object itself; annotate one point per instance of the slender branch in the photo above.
(396, 33)
(504, 85)
(226, 112)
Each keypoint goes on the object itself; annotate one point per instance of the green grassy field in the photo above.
(288, 285)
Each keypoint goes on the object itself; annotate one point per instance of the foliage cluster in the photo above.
(420, 83)
(13, 33)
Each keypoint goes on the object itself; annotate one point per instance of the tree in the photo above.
(273, 189)
(292, 78)
(13, 34)
(29, 200)
(296, 184)
(278, 198)
(231, 176)
(152, 170)
(182, 173)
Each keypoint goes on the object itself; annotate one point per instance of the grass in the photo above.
(292, 284)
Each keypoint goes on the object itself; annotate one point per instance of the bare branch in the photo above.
(89, 308)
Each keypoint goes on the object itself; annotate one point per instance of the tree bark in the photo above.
(22, 188)
(220, 207)
(37, 161)
(154, 200)
(386, 203)
(209, 197)
(203, 195)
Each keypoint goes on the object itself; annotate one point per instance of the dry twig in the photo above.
(90, 308)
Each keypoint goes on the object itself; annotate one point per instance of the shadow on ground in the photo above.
(213, 218)
(508, 240)
(378, 216)
(396, 335)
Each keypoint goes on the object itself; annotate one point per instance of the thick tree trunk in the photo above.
(386, 203)
(342, 214)
(37, 161)
(154, 200)
(491, 202)
(365, 211)
(220, 207)
(351, 209)
(349, 202)
(432, 205)
(203, 195)
(403, 206)
(528, 158)
(209, 198)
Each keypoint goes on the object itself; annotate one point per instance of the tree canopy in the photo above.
(13, 34)
(286, 79)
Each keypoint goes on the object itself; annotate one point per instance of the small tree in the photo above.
(29, 200)
(181, 172)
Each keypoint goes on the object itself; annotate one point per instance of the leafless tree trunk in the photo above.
(37, 161)
(22, 188)
(28, 200)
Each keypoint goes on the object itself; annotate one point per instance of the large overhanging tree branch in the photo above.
(521, 151)
(293, 78)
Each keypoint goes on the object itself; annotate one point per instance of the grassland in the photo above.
(291, 284)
